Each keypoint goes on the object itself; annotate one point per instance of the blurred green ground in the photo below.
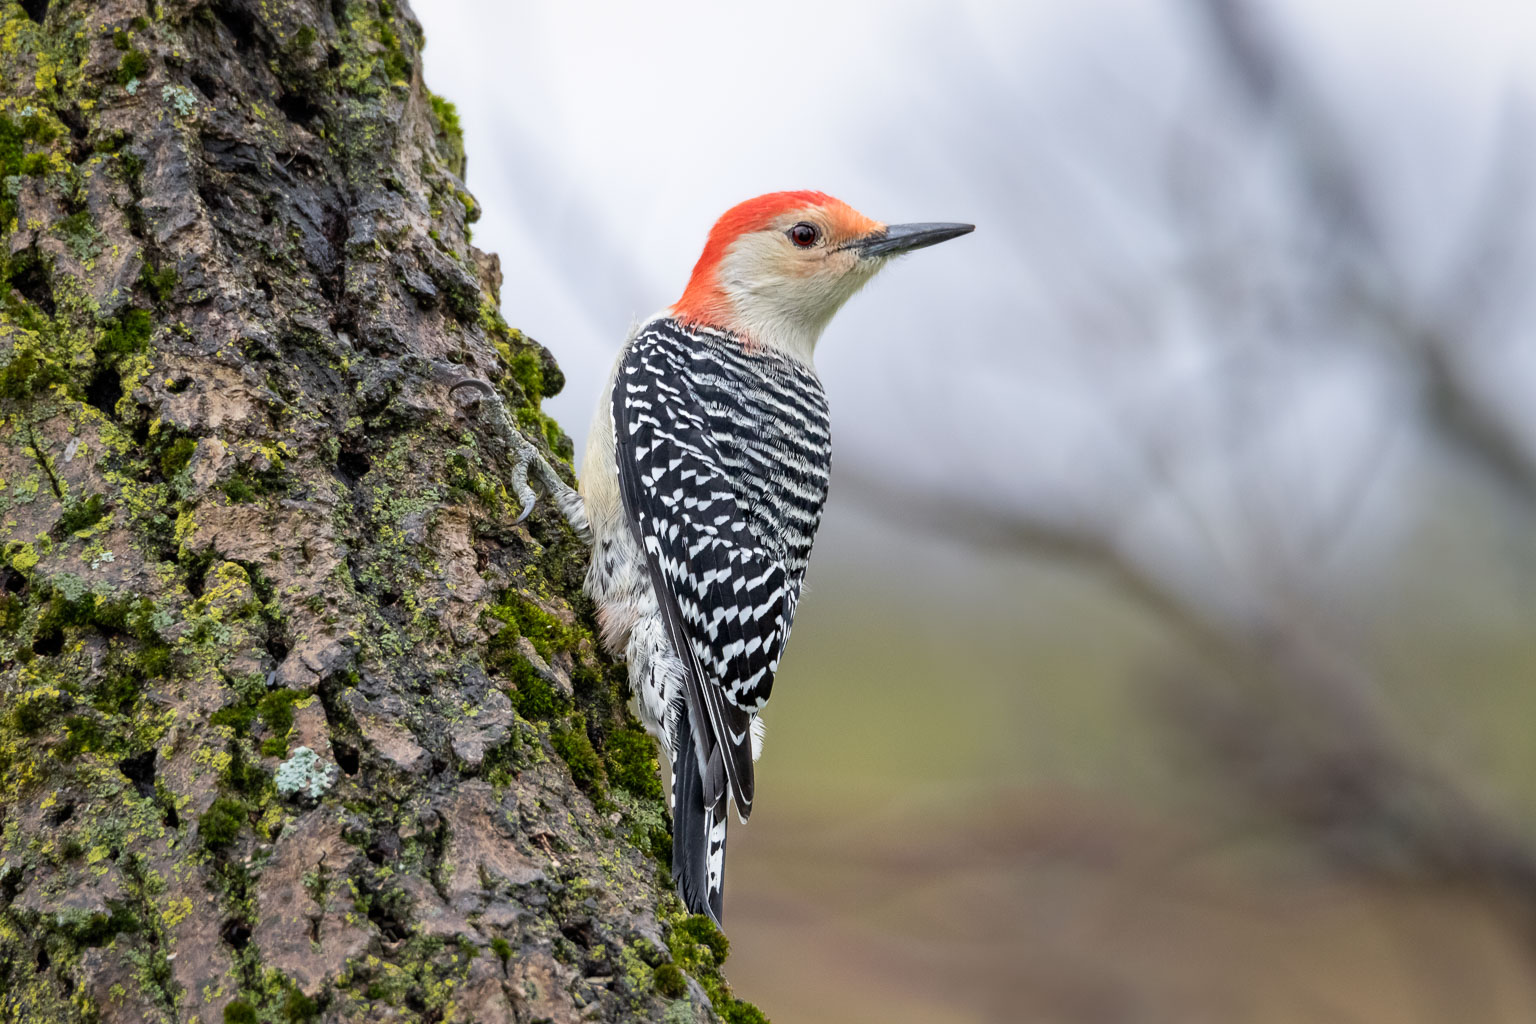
(970, 812)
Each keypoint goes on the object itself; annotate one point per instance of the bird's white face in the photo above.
(776, 268)
(786, 280)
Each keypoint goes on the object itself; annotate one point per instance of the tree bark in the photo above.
(296, 722)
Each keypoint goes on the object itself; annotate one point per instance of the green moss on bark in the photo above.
(167, 606)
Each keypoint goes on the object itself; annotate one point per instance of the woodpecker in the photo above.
(703, 483)
(705, 474)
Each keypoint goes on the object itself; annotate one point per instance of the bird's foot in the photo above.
(527, 461)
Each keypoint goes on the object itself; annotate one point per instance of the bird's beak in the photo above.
(900, 238)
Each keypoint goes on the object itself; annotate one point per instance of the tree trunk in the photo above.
(296, 722)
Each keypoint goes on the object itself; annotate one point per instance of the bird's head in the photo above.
(777, 267)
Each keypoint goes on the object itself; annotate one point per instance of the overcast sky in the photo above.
(604, 138)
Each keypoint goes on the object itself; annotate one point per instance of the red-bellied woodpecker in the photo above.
(704, 478)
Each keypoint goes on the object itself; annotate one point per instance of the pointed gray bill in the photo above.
(899, 238)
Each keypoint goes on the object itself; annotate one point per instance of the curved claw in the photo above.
(521, 488)
(486, 391)
(524, 456)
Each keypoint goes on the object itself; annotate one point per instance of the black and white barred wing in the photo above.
(727, 600)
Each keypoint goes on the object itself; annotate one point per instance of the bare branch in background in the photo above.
(1294, 722)
(1436, 333)
(1280, 698)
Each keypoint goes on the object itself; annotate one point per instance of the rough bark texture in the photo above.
(295, 722)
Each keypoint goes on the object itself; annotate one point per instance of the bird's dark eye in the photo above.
(804, 235)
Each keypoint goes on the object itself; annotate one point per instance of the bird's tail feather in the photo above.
(698, 834)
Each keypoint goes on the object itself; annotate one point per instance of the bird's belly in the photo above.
(632, 629)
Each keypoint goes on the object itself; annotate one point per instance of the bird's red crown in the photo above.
(704, 300)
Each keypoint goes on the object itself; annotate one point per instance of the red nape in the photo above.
(703, 300)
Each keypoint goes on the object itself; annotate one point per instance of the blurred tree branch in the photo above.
(1334, 188)
(1291, 713)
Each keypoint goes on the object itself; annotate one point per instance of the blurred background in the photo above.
(1168, 652)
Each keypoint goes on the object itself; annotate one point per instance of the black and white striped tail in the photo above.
(698, 839)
